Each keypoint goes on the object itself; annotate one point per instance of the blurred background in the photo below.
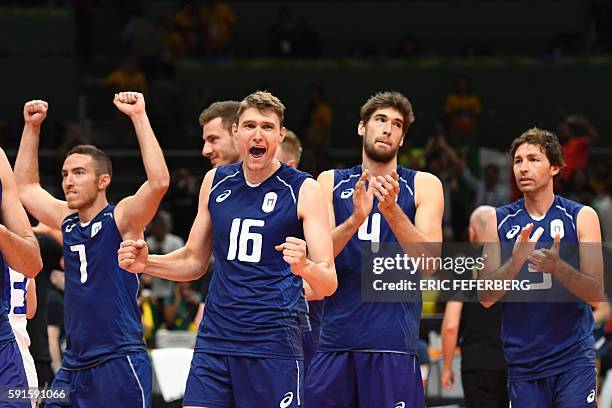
(478, 73)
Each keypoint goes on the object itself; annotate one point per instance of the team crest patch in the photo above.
(96, 228)
(269, 202)
(556, 227)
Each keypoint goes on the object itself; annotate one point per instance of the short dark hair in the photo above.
(388, 99)
(102, 161)
(263, 100)
(546, 140)
(292, 145)
(226, 110)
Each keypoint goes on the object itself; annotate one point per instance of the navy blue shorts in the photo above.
(120, 382)
(364, 379)
(574, 388)
(12, 373)
(221, 381)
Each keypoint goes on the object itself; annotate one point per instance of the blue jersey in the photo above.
(101, 317)
(543, 339)
(255, 304)
(348, 323)
(6, 332)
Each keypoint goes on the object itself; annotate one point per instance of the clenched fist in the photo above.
(35, 112)
(130, 103)
(294, 253)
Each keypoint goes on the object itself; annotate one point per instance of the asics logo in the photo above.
(286, 401)
(591, 396)
(347, 193)
(221, 197)
(400, 404)
(513, 231)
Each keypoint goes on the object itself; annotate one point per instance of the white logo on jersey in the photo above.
(400, 404)
(221, 197)
(591, 396)
(95, 228)
(269, 202)
(513, 231)
(347, 193)
(69, 227)
(287, 400)
(556, 227)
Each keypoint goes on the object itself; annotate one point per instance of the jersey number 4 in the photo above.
(82, 259)
(240, 238)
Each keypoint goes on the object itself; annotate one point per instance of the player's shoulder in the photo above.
(568, 206)
(342, 176)
(291, 175)
(513, 209)
(227, 170)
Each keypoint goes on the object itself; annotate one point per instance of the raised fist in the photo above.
(35, 112)
(130, 103)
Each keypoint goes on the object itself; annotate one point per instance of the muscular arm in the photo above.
(422, 237)
(18, 245)
(319, 272)
(191, 261)
(42, 205)
(586, 283)
(135, 212)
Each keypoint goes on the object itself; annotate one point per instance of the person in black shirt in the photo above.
(483, 367)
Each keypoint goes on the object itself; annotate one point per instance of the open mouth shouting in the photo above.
(257, 152)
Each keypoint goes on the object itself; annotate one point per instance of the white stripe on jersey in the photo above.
(508, 216)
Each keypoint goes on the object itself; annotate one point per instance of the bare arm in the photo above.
(42, 205)
(18, 245)
(601, 314)
(586, 283)
(450, 333)
(135, 212)
(31, 300)
(362, 205)
(184, 264)
(319, 271)
(424, 236)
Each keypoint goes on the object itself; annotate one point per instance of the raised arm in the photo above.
(42, 205)
(425, 235)
(363, 199)
(185, 264)
(135, 212)
(18, 245)
(317, 269)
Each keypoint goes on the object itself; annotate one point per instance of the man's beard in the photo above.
(378, 155)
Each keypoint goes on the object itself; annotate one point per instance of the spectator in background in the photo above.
(461, 110)
(488, 189)
(182, 307)
(319, 118)
(127, 76)
(216, 21)
(576, 134)
(182, 200)
(283, 35)
(161, 242)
